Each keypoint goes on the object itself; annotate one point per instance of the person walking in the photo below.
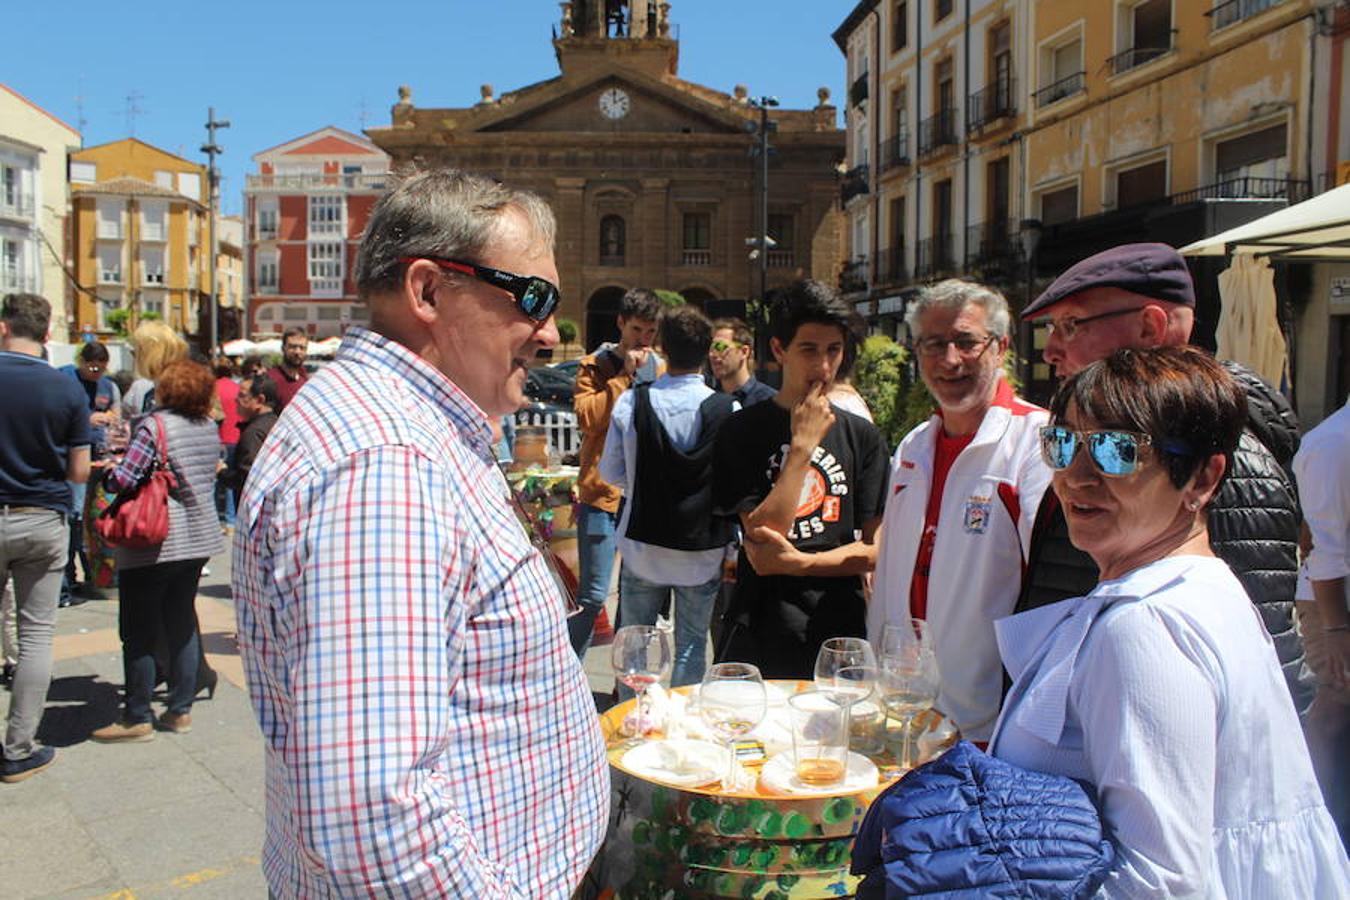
(157, 586)
(227, 393)
(44, 446)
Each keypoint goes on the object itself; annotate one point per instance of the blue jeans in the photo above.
(595, 559)
(642, 601)
(224, 494)
(151, 598)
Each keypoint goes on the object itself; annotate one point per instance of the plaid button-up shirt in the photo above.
(429, 731)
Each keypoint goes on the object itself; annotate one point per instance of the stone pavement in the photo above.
(179, 816)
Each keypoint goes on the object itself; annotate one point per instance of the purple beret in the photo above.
(1152, 270)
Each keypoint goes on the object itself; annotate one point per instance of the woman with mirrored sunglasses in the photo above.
(1161, 688)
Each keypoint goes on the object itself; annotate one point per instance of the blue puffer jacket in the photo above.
(969, 825)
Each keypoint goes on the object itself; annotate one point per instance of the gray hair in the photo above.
(956, 294)
(444, 213)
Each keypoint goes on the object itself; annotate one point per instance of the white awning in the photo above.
(1316, 230)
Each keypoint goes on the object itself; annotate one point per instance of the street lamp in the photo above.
(1030, 236)
(212, 150)
(763, 104)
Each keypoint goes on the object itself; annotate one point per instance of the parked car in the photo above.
(552, 384)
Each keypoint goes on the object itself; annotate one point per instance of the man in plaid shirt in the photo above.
(429, 731)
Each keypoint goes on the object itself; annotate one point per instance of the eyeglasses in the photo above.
(724, 346)
(536, 297)
(966, 345)
(1114, 453)
(1068, 326)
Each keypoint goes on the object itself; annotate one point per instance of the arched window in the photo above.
(612, 241)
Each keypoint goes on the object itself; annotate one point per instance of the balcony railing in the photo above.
(152, 279)
(612, 259)
(109, 276)
(782, 259)
(267, 232)
(1135, 57)
(857, 180)
(937, 131)
(991, 104)
(1058, 90)
(933, 257)
(1233, 11)
(857, 91)
(993, 244)
(853, 277)
(325, 287)
(696, 258)
(1248, 188)
(890, 268)
(109, 231)
(317, 180)
(895, 151)
(17, 207)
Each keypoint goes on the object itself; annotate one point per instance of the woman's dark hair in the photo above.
(1179, 396)
(808, 302)
(185, 387)
(94, 352)
(222, 367)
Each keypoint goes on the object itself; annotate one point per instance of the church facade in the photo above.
(655, 180)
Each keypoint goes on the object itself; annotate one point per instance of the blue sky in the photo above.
(280, 69)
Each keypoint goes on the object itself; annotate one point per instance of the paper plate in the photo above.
(681, 763)
(780, 777)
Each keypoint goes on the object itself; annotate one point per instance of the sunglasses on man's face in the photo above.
(723, 346)
(1114, 453)
(537, 298)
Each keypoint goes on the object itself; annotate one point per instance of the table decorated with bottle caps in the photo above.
(671, 840)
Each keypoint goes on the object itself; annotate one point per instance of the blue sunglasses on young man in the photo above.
(1113, 452)
(536, 297)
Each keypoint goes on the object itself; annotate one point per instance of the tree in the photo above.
(670, 298)
(567, 331)
(897, 400)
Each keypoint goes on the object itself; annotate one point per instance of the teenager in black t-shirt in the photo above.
(807, 481)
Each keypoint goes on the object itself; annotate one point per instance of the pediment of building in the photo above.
(610, 102)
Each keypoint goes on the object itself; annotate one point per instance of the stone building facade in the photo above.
(655, 180)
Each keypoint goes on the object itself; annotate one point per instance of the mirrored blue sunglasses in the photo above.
(1114, 453)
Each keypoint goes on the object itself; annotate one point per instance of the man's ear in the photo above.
(1152, 325)
(777, 349)
(420, 283)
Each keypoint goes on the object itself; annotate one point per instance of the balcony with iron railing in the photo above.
(782, 259)
(895, 152)
(1058, 90)
(937, 132)
(1247, 188)
(612, 259)
(857, 91)
(317, 181)
(1234, 11)
(696, 258)
(15, 280)
(933, 257)
(17, 206)
(857, 180)
(1135, 57)
(993, 245)
(853, 277)
(890, 266)
(994, 103)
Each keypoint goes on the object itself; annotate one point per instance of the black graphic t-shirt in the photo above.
(778, 622)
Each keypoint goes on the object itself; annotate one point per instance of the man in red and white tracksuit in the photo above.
(963, 491)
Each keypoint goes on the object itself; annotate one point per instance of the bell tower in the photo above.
(635, 32)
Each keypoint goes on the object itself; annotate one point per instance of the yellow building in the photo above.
(139, 233)
(230, 276)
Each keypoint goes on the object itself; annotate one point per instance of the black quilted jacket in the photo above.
(1253, 526)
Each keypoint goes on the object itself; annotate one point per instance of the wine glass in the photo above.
(857, 686)
(841, 653)
(640, 656)
(732, 701)
(909, 685)
(898, 637)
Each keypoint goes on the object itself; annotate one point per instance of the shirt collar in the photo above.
(1044, 643)
(744, 390)
(367, 348)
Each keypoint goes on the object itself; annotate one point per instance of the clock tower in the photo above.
(653, 178)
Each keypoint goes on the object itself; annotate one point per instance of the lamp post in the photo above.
(765, 126)
(212, 150)
(1030, 235)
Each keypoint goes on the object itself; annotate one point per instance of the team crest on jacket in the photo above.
(976, 519)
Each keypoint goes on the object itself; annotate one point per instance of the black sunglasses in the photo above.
(537, 298)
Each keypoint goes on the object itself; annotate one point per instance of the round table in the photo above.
(707, 842)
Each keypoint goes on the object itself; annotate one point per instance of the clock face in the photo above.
(614, 104)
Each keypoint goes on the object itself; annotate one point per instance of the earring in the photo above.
(1193, 505)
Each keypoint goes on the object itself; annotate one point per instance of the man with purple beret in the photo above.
(1140, 296)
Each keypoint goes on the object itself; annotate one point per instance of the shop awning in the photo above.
(1316, 230)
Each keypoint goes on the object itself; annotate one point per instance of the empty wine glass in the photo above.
(909, 685)
(841, 653)
(898, 637)
(858, 686)
(641, 656)
(732, 701)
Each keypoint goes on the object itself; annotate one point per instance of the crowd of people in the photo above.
(1109, 584)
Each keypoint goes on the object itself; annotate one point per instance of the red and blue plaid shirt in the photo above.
(429, 731)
